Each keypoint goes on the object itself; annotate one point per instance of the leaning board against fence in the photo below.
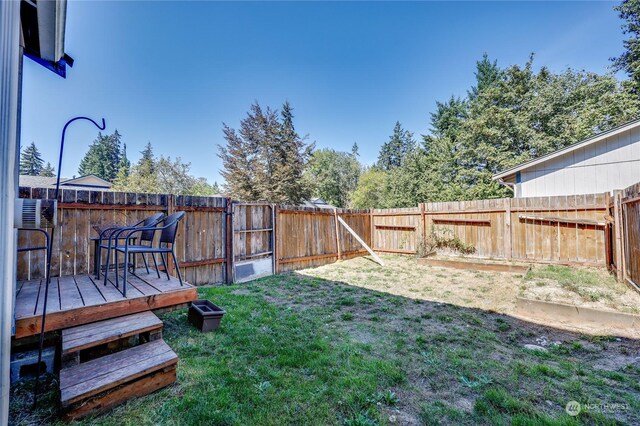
(306, 237)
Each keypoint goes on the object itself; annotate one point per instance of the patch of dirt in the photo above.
(401, 276)
(607, 294)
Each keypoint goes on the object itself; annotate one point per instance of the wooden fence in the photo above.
(629, 238)
(306, 237)
(200, 243)
(570, 229)
(596, 230)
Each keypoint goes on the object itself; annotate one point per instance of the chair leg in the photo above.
(144, 259)
(175, 262)
(126, 270)
(97, 262)
(106, 269)
(117, 270)
(153, 256)
(166, 270)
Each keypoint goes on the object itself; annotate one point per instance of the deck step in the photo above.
(98, 333)
(99, 384)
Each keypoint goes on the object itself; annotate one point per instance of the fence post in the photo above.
(171, 207)
(619, 235)
(274, 238)
(508, 251)
(228, 249)
(335, 217)
(373, 229)
(423, 222)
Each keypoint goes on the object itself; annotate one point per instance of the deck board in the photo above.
(80, 299)
(90, 294)
(69, 295)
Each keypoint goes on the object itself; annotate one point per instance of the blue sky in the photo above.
(171, 73)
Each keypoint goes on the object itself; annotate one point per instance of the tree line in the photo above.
(508, 116)
(107, 159)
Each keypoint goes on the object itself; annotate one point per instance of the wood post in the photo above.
(373, 228)
(274, 241)
(423, 222)
(228, 236)
(171, 207)
(618, 231)
(508, 251)
(335, 215)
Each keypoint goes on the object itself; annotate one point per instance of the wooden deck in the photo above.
(81, 299)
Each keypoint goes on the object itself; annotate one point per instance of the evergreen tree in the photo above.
(31, 162)
(148, 159)
(629, 61)
(48, 171)
(124, 167)
(355, 150)
(265, 159)
(103, 158)
(394, 151)
(293, 155)
(487, 73)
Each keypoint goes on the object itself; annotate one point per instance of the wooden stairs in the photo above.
(107, 362)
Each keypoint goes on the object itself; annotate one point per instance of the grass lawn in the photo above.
(300, 349)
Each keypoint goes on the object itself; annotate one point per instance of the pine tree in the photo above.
(124, 167)
(31, 162)
(265, 159)
(400, 144)
(240, 157)
(487, 73)
(147, 160)
(355, 150)
(103, 158)
(629, 61)
(294, 155)
(48, 171)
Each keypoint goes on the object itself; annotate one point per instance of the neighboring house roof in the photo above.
(82, 182)
(594, 139)
(318, 203)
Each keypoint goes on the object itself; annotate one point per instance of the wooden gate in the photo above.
(253, 241)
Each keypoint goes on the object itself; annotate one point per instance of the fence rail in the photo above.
(596, 229)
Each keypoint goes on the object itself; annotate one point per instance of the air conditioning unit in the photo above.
(35, 214)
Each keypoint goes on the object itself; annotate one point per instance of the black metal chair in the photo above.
(107, 235)
(169, 229)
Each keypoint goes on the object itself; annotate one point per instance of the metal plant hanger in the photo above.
(50, 214)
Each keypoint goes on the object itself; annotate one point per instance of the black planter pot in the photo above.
(204, 315)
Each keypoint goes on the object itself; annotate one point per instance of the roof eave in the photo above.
(593, 139)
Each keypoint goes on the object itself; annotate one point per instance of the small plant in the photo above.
(442, 238)
(347, 316)
(476, 384)
(387, 397)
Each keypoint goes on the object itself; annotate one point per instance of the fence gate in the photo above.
(253, 241)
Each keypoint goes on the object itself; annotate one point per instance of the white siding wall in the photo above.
(613, 163)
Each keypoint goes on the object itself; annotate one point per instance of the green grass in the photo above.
(293, 350)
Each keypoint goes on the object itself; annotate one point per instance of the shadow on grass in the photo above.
(294, 349)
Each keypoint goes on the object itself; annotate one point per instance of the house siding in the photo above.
(612, 163)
